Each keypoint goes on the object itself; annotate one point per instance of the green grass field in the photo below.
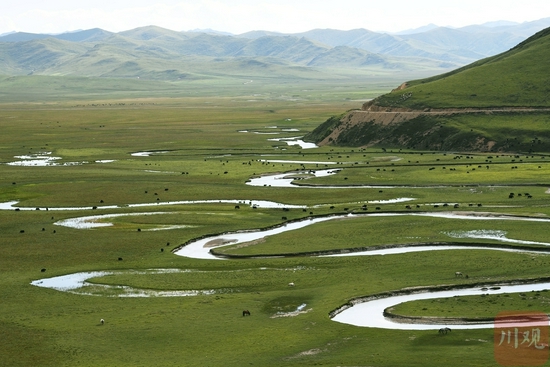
(202, 154)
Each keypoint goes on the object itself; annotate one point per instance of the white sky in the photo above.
(239, 16)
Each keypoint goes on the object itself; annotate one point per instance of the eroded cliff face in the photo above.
(381, 116)
(375, 126)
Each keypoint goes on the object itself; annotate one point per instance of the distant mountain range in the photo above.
(157, 53)
(460, 46)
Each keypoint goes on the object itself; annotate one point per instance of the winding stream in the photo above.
(77, 283)
(371, 313)
(200, 249)
(365, 314)
(12, 205)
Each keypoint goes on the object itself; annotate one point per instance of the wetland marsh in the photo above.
(166, 174)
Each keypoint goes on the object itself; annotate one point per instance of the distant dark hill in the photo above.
(501, 103)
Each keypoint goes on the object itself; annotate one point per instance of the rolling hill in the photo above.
(157, 53)
(154, 52)
(462, 45)
(501, 103)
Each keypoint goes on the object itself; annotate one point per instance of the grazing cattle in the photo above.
(458, 274)
(246, 313)
(283, 218)
(102, 321)
(237, 207)
(120, 259)
(444, 330)
(43, 270)
(291, 284)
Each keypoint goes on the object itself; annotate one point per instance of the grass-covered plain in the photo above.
(201, 153)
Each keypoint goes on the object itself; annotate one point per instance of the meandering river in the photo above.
(366, 314)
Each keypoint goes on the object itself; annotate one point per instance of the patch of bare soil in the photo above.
(290, 314)
(250, 243)
(218, 242)
(306, 353)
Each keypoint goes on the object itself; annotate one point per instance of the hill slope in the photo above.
(462, 45)
(157, 53)
(501, 103)
(518, 77)
(154, 52)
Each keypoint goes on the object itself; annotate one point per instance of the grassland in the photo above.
(197, 139)
(516, 78)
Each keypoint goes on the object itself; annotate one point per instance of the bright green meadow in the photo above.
(206, 146)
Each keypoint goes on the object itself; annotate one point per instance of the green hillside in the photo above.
(519, 77)
(498, 104)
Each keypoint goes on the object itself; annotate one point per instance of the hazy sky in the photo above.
(239, 16)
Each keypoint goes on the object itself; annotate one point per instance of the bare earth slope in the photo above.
(403, 128)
